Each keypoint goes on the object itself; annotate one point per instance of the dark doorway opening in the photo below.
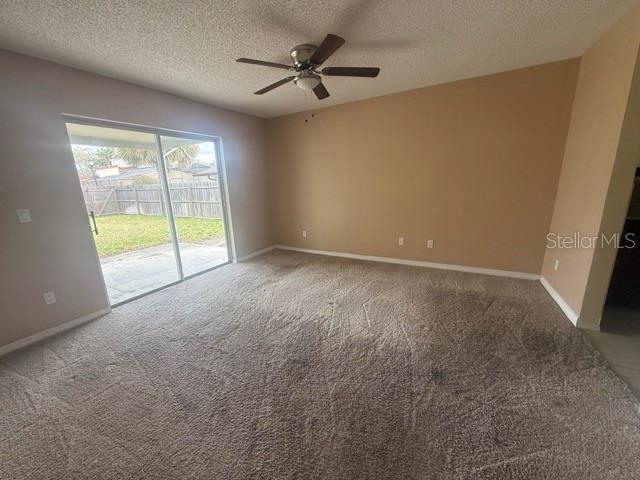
(622, 307)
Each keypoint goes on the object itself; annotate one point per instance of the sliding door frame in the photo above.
(166, 193)
(222, 186)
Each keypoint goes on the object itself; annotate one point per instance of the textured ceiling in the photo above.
(188, 47)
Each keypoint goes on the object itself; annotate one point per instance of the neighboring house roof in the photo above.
(199, 169)
(133, 173)
(196, 169)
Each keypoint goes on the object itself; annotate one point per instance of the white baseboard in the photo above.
(249, 256)
(564, 306)
(24, 342)
(418, 263)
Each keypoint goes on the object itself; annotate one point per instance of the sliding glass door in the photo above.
(196, 196)
(155, 203)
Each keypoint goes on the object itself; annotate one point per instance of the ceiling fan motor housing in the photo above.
(306, 79)
(301, 55)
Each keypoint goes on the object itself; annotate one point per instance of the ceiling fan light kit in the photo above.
(307, 81)
(306, 61)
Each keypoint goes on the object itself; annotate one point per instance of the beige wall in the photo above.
(37, 171)
(597, 173)
(473, 165)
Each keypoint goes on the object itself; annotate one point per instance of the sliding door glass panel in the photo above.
(123, 193)
(198, 207)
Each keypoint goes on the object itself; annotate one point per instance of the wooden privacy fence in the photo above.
(189, 199)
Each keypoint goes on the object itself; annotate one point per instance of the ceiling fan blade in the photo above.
(329, 45)
(264, 64)
(321, 91)
(351, 71)
(274, 85)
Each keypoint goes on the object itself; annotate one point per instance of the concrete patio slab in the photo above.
(133, 273)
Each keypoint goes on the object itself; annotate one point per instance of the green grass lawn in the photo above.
(124, 233)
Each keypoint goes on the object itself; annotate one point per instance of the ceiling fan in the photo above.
(306, 61)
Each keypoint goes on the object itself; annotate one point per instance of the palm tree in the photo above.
(137, 157)
(181, 156)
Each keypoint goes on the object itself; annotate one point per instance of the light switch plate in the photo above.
(429, 243)
(401, 241)
(24, 216)
(304, 234)
(49, 297)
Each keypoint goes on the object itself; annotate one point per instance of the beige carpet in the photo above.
(295, 366)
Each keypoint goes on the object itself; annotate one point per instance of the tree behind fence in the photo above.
(189, 199)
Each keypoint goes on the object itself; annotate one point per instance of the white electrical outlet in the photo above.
(304, 234)
(401, 241)
(429, 243)
(556, 265)
(49, 297)
(24, 216)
